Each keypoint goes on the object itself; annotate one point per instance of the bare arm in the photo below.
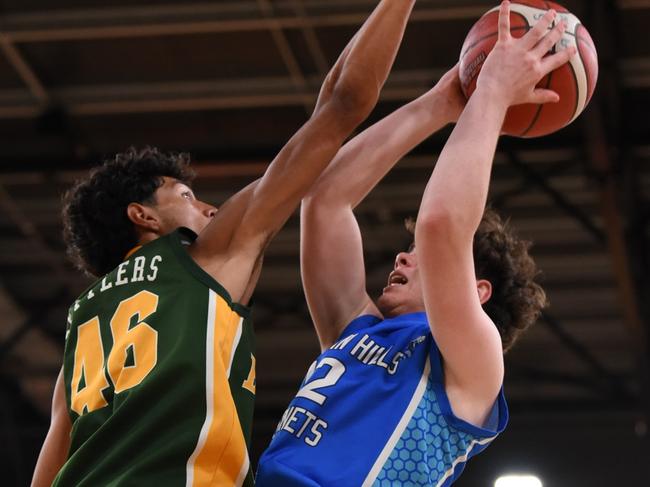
(452, 208)
(332, 266)
(228, 249)
(57, 442)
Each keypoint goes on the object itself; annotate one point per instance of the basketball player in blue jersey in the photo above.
(169, 401)
(408, 388)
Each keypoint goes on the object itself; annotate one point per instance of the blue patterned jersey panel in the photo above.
(430, 451)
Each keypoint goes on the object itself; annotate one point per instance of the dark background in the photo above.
(230, 81)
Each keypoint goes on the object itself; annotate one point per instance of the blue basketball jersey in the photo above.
(372, 411)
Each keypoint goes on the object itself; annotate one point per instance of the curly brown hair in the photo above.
(502, 258)
(96, 228)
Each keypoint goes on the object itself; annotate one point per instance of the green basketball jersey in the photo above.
(159, 376)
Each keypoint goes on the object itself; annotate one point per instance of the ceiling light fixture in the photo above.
(519, 480)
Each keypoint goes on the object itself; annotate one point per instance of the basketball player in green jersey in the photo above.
(158, 379)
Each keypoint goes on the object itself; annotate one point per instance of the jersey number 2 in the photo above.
(139, 342)
(337, 369)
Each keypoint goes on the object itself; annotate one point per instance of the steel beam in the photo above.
(23, 69)
(33, 321)
(558, 198)
(30, 232)
(606, 380)
(286, 52)
(185, 104)
(217, 94)
(313, 44)
(121, 24)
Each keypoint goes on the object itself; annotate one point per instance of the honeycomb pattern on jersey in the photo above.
(427, 449)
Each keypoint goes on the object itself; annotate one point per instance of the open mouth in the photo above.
(396, 279)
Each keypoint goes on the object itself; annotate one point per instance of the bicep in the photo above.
(468, 340)
(57, 442)
(252, 283)
(332, 268)
(218, 237)
(220, 252)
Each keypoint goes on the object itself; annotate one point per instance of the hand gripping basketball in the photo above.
(526, 39)
(515, 66)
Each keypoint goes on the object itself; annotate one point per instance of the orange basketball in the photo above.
(574, 82)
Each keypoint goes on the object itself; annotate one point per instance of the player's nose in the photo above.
(209, 210)
(402, 260)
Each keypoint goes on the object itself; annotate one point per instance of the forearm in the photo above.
(459, 185)
(366, 61)
(366, 159)
(348, 95)
(52, 457)
(57, 442)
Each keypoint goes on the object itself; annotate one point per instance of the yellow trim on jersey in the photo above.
(132, 251)
(250, 382)
(220, 457)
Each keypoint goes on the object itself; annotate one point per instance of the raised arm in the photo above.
(229, 250)
(452, 207)
(331, 253)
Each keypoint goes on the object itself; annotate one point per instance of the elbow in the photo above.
(440, 224)
(351, 97)
(326, 196)
(356, 93)
(323, 193)
(314, 204)
(433, 219)
(310, 200)
(308, 205)
(322, 211)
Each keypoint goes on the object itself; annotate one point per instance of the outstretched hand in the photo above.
(515, 66)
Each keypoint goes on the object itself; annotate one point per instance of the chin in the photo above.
(391, 305)
(198, 227)
(388, 306)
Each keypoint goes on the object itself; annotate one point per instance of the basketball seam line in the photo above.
(493, 34)
(577, 88)
(587, 79)
(538, 112)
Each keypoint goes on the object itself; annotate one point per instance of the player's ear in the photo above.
(143, 217)
(484, 290)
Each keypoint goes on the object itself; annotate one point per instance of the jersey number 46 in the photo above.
(141, 341)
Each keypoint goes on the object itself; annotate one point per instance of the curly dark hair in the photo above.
(96, 228)
(502, 258)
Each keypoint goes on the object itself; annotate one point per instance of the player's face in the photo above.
(177, 206)
(403, 292)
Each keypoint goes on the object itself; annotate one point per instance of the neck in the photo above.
(146, 236)
(399, 309)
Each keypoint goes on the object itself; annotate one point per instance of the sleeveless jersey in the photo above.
(159, 376)
(372, 411)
